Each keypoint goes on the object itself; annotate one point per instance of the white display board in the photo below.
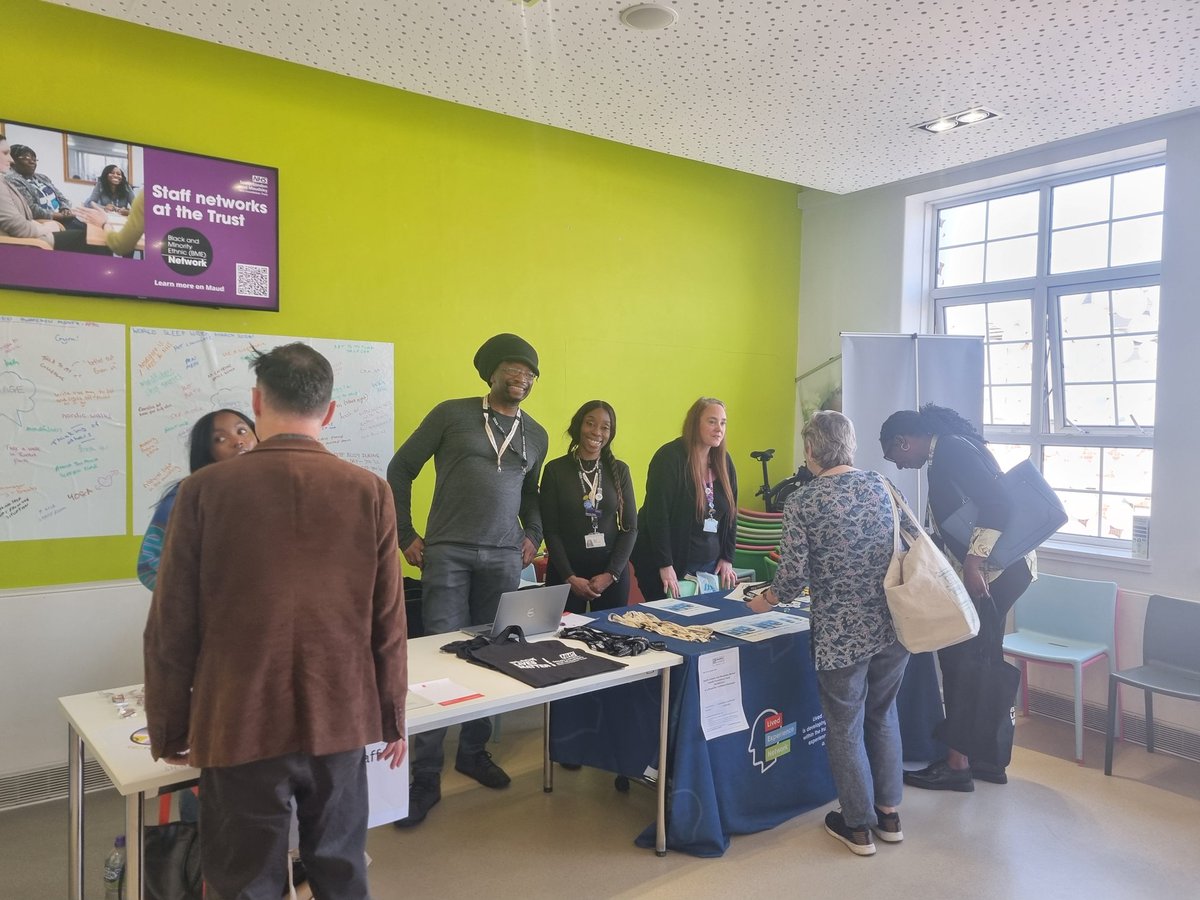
(178, 376)
(883, 373)
(62, 426)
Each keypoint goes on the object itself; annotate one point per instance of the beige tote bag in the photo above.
(930, 606)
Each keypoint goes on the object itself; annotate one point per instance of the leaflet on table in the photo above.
(747, 590)
(442, 691)
(720, 677)
(761, 626)
(575, 620)
(681, 607)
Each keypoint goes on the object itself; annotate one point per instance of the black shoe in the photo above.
(940, 777)
(423, 795)
(989, 772)
(857, 839)
(482, 769)
(888, 827)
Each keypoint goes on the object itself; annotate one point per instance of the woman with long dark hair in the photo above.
(687, 523)
(589, 515)
(112, 192)
(215, 437)
(961, 469)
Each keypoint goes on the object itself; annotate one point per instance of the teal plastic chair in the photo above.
(1065, 622)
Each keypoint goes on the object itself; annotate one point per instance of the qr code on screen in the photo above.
(253, 281)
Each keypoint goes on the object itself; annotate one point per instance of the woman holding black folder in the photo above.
(962, 469)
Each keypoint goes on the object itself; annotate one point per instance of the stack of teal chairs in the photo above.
(758, 535)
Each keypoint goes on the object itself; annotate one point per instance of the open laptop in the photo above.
(537, 610)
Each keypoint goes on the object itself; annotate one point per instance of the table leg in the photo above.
(135, 815)
(660, 831)
(74, 815)
(547, 766)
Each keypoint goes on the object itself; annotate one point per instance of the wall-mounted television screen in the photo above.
(83, 214)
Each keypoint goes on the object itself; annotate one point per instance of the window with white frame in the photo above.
(1061, 279)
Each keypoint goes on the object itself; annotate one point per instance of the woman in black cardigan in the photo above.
(961, 468)
(687, 523)
(589, 516)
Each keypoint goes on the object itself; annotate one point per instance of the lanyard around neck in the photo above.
(500, 450)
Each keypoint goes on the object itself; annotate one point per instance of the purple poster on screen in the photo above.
(117, 219)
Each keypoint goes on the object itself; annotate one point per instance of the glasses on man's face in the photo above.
(523, 374)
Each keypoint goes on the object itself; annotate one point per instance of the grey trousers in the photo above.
(460, 585)
(863, 732)
(246, 813)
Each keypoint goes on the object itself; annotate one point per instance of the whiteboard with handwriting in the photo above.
(62, 426)
(178, 376)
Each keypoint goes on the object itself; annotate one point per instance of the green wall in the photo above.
(641, 278)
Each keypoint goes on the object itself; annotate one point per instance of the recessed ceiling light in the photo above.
(648, 17)
(956, 120)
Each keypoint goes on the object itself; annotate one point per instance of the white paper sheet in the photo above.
(443, 692)
(387, 788)
(761, 626)
(681, 607)
(720, 676)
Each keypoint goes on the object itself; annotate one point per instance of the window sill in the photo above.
(1118, 559)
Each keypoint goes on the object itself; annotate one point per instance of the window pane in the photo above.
(1136, 241)
(962, 265)
(1127, 470)
(1080, 203)
(961, 224)
(1072, 468)
(1090, 404)
(1008, 455)
(1011, 216)
(1136, 357)
(1013, 258)
(1135, 309)
(1137, 193)
(1082, 314)
(969, 320)
(1010, 405)
(1009, 320)
(1135, 402)
(1010, 363)
(1079, 249)
(1087, 359)
(1083, 513)
(1117, 512)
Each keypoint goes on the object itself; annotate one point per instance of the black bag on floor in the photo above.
(172, 862)
(537, 664)
(995, 712)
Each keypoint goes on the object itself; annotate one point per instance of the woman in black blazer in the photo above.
(687, 522)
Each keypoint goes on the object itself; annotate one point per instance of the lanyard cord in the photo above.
(489, 422)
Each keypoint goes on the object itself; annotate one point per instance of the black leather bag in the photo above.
(537, 664)
(1035, 514)
(172, 862)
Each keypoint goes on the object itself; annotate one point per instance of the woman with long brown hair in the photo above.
(687, 523)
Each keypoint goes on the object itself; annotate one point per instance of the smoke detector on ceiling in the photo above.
(648, 17)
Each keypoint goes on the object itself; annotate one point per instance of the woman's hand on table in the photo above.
(726, 574)
(669, 582)
(764, 602)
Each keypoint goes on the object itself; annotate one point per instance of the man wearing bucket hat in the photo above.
(484, 527)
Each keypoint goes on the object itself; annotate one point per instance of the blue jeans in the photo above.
(460, 585)
(863, 732)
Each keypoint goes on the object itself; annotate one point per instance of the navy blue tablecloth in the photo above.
(738, 783)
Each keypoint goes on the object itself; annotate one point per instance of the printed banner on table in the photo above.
(209, 226)
(62, 429)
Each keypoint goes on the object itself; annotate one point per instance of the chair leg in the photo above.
(1110, 729)
(1149, 721)
(1077, 670)
(1025, 688)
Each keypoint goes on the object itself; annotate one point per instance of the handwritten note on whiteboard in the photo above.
(62, 427)
(178, 376)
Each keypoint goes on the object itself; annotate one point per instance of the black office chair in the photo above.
(1170, 664)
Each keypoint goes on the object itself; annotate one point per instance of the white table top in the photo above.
(131, 769)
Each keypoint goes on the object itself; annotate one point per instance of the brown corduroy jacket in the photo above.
(277, 625)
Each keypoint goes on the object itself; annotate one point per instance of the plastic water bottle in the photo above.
(114, 871)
